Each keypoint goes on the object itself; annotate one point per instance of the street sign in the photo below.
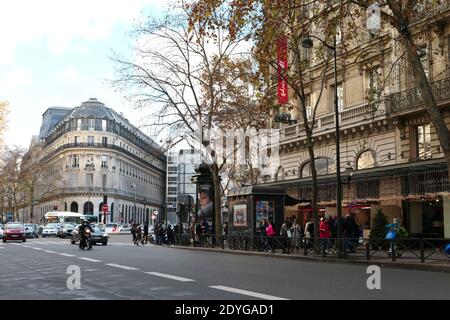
(155, 212)
(105, 208)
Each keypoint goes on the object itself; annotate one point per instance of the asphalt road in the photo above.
(37, 269)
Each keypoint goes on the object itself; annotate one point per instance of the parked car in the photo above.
(14, 231)
(112, 227)
(66, 230)
(98, 235)
(31, 230)
(125, 227)
(1, 231)
(51, 229)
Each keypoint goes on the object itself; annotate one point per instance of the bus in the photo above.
(63, 217)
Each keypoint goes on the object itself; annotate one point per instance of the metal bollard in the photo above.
(422, 251)
(394, 253)
(367, 249)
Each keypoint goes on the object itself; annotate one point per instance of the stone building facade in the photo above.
(92, 152)
(389, 145)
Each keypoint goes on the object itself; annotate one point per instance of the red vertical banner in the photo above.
(282, 70)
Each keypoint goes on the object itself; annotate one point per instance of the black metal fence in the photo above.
(404, 249)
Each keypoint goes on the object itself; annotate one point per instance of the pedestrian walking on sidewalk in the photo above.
(284, 233)
(296, 235)
(309, 233)
(271, 233)
(145, 233)
(133, 231)
(325, 234)
(138, 235)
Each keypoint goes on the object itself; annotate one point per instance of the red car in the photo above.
(14, 231)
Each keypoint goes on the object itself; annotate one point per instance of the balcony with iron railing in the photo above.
(100, 146)
(354, 116)
(411, 100)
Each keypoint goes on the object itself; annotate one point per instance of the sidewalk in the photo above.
(357, 259)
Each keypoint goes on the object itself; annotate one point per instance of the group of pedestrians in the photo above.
(293, 236)
(328, 228)
(139, 233)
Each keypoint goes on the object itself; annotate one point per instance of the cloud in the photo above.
(14, 80)
(70, 73)
(58, 22)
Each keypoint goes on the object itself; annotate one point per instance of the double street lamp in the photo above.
(308, 43)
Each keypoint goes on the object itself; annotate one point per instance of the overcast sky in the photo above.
(56, 53)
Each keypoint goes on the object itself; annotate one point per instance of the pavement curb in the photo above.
(389, 264)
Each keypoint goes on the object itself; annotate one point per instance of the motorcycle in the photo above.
(85, 240)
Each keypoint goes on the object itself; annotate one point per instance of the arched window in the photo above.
(366, 159)
(74, 207)
(88, 208)
(323, 166)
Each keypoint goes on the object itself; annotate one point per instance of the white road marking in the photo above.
(36, 248)
(122, 244)
(89, 259)
(38, 242)
(247, 293)
(66, 254)
(2, 247)
(54, 242)
(50, 251)
(168, 276)
(121, 266)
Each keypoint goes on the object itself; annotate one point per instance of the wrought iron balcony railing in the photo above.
(101, 146)
(352, 116)
(412, 99)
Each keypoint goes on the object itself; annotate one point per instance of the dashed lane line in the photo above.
(89, 259)
(121, 266)
(54, 242)
(66, 254)
(50, 251)
(169, 276)
(248, 293)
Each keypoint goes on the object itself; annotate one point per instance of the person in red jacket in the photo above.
(325, 233)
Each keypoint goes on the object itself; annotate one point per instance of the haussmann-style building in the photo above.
(89, 152)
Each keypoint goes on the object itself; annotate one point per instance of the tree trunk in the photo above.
(217, 203)
(314, 191)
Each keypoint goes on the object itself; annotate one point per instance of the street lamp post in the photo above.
(133, 186)
(307, 43)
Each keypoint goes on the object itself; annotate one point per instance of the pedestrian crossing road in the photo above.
(43, 268)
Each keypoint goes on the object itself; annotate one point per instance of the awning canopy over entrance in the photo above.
(265, 190)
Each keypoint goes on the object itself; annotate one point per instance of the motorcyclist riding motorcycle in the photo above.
(85, 235)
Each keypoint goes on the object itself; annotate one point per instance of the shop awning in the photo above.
(291, 201)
